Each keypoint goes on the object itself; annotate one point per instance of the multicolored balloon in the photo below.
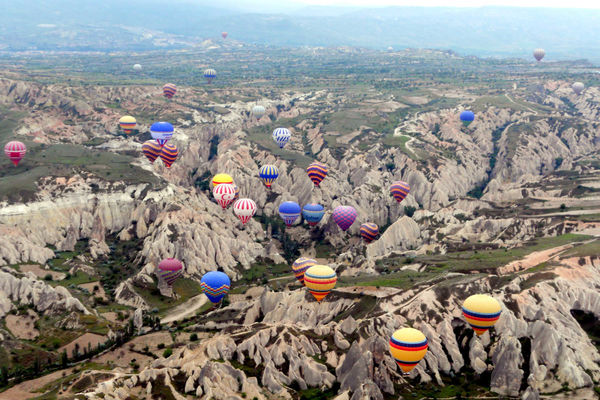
(237, 192)
(281, 136)
(344, 216)
(244, 209)
(15, 150)
(169, 154)
(127, 123)
(578, 87)
(258, 111)
(169, 90)
(162, 132)
(170, 269)
(400, 190)
(224, 35)
(467, 117)
(317, 172)
(313, 213)
(210, 74)
(268, 174)
(289, 211)
(221, 178)
(151, 150)
(300, 266)
(320, 280)
(369, 231)
(539, 54)
(215, 285)
(481, 312)
(408, 346)
(224, 194)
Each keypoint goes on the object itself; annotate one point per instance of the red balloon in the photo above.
(15, 151)
(224, 34)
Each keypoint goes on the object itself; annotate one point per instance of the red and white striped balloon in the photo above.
(244, 209)
(224, 194)
(15, 151)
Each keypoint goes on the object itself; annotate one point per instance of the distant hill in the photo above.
(141, 25)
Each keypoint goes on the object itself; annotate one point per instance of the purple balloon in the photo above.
(344, 216)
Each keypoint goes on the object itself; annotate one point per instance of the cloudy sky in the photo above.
(458, 3)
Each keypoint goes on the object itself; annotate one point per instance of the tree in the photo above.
(193, 337)
(64, 359)
(167, 353)
(409, 211)
(76, 351)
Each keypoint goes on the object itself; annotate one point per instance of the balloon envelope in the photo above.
(300, 266)
(408, 346)
(15, 150)
(467, 117)
(369, 231)
(162, 132)
(317, 172)
(151, 150)
(170, 269)
(320, 280)
(313, 213)
(224, 194)
(210, 74)
(268, 174)
(539, 54)
(127, 123)
(258, 111)
(344, 216)
(215, 285)
(289, 211)
(578, 87)
(169, 154)
(169, 90)
(221, 178)
(281, 136)
(481, 312)
(399, 190)
(137, 67)
(224, 35)
(244, 209)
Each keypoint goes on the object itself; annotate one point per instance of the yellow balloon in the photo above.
(408, 346)
(127, 123)
(481, 312)
(320, 279)
(221, 178)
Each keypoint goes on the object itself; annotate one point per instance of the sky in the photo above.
(457, 3)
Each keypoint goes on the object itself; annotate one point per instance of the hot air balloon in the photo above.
(399, 190)
(258, 111)
(481, 312)
(344, 216)
(300, 266)
(224, 194)
(320, 279)
(221, 178)
(127, 123)
(313, 213)
(170, 269)
(578, 87)
(317, 172)
(210, 74)
(137, 67)
(237, 192)
(169, 154)
(289, 212)
(408, 346)
(215, 285)
(224, 35)
(369, 231)
(244, 209)
(268, 174)
(539, 54)
(281, 136)
(15, 151)
(162, 132)
(151, 150)
(467, 117)
(169, 90)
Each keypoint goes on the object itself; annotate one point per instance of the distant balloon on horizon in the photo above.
(137, 67)
(539, 54)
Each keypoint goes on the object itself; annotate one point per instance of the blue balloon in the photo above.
(215, 285)
(313, 213)
(289, 212)
(161, 127)
(467, 117)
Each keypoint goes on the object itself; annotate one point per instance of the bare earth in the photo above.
(41, 273)
(90, 287)
(23, 326)
(187, 309)
(24, 390)
(122, 357)
(83, 340)
(152, 341)
(532, 260)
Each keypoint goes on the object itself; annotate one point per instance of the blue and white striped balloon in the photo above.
(281, 136)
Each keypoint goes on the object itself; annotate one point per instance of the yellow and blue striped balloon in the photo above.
(481, 312)
(408, 346)
(268, 174)
(317, 172)
(127, 123)
(320, 280)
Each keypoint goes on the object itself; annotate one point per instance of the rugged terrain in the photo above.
(506, 206)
